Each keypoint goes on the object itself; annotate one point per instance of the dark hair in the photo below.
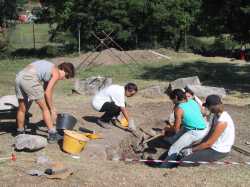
(188, 90)
(217, 108)
(168, 90)
(68, 68)
(131, 87)
(180, 94)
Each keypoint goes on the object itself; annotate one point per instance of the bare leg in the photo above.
(53, 134)
(28, 104)
(21, 114)
(46, 113)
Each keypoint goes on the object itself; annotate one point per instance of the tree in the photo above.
(8, 10)
(94, 16)
(21, 3)
(222, 16)
(166, 22)
(154, 22)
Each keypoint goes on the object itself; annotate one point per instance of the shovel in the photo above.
(90, 134)
(152, 138)
(141, 145)
(86, 130)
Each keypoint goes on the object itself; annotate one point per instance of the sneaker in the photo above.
(19, 132)
(103, 124)
(150, 161)
(54, 137)
(114, 121)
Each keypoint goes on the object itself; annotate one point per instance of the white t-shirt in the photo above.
(197, 99)
(112, 93)
(226, 139)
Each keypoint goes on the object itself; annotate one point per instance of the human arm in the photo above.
(219, 129)
(203, 109)
(118, 97)
(125, 113)
(198, 100)
(49, 91)
(178, 113)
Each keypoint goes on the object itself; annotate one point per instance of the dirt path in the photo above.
(92, 169)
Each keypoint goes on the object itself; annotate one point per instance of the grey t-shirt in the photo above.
(43, 69)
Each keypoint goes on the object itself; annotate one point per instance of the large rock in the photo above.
(204, 91)
(92, 85)
(30, 142)
(8, 102)
(182, 82)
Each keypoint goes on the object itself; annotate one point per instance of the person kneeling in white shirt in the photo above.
(111, 100)
(220, 139)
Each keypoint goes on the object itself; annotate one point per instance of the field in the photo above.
(22, 36)
(93, 168)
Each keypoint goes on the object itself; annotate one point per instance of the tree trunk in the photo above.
(178, 43)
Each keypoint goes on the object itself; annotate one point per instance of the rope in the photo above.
(183, 162)
(14, 158)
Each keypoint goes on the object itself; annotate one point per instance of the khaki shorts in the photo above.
(28, 85)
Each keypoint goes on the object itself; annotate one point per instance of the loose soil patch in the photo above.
(93, 168)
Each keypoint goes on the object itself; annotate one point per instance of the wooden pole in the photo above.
(34, 38)
(79, 38)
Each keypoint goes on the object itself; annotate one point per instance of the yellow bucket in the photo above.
(74, 142)
(124, 122)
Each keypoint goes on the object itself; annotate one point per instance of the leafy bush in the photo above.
(21, 3)
(41, 13)
(3, 46)
(50, 51)
(224, 46)
(248, 54)
(66, 39)
(46, 51)
(195, 45)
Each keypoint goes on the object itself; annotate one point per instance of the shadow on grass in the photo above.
(229, 76)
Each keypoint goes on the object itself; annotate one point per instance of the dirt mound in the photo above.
(111, 56)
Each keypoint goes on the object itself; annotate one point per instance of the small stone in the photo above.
(43, 160)
(112, 154)
(75, 156)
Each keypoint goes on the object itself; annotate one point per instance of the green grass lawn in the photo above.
(234, 77)
(119, 73)
(8, 70)
(21, 36)
(122, 73)
(224, 74)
